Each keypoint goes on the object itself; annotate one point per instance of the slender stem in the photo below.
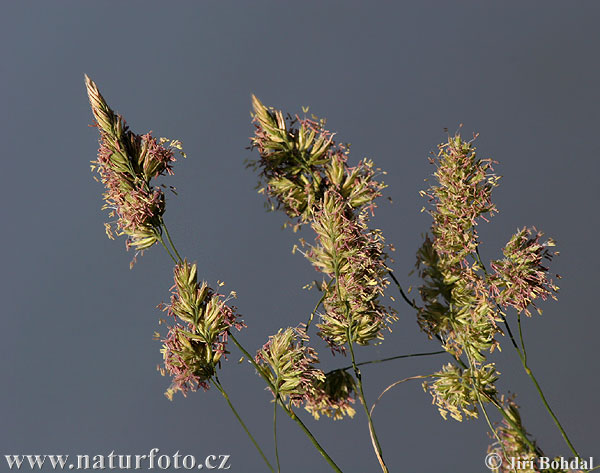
(363, 401)
(275, 429)
(521, 337)
(397, 357)
(219, 386)
(402, 293)
(558, 424)
(164, 225)
(396, 384)
(510, 334)
(491, 427)
(308, 433)
(160, 238)
(523, 356)
(287, 410)
(312, 314)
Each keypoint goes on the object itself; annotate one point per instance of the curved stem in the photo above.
(396, 384)
(219, 386)
(397, 357)
(287, 410)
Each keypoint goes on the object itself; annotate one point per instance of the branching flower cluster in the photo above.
(457, 307)
(464, 305)
(306, 174)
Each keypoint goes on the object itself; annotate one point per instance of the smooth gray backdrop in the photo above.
(77, 359)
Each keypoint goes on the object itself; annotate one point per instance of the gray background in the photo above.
(77, 359)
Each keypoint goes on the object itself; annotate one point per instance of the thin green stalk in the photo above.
(510, 334)
(523, 356)
(287, 410)
(558, 424)
(219, 386)
(363, 401)
(308, 433)
(521, 337)
(164, 225)
(397, 357)
(275, 430)
(312, 314)
(160, 238)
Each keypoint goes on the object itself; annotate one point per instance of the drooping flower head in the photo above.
(197, 341)
(126, 164)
